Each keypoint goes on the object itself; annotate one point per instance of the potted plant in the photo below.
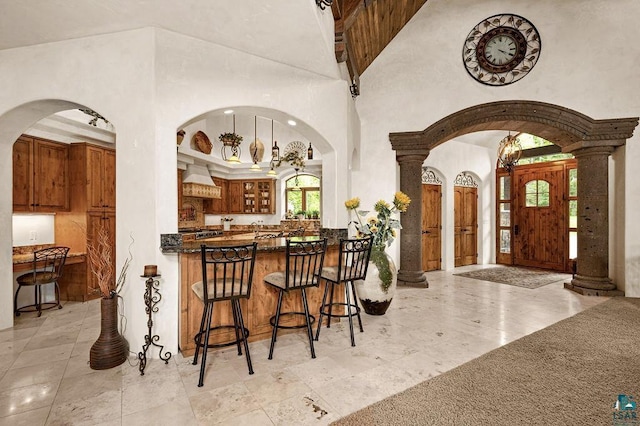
(315, 214)
(376, 291)
(111, 349)
(230, 139)
(226, 223)
(300, 214)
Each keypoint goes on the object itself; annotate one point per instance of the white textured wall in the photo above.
(149, 83)
(419, 79)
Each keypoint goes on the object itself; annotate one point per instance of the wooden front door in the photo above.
(539, 217)
(465, 225)
(431, 227)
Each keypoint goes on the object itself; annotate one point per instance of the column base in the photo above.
(586, 291)
(412, 279)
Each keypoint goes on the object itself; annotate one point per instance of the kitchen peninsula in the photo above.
(261, 306)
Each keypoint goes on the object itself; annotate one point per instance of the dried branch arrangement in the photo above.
(100, 254)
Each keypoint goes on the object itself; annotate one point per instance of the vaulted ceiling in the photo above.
(365, 27)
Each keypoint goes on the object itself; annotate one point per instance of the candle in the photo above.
(150, 270)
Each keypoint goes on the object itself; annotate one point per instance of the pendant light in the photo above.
(231, 141)
(255, 167)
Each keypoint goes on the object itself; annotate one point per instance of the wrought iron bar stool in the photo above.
(352, 265)
(227, 274)
(47, 269)
(304, 261)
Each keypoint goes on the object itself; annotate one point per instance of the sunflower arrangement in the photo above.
(382, 227)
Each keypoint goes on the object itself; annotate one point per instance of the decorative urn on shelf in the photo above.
(376, 291)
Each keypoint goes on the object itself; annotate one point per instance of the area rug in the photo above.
(583, 370)
(514, 275)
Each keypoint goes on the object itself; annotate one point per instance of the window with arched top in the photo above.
(302, 196)
(536, 193)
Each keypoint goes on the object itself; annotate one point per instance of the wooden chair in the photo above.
(228, 274)
(352, 265)
(47, 269)
(304, 261)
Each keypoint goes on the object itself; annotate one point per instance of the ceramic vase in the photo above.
(111, 349)
(376, 291)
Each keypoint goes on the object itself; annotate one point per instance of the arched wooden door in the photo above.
(431, 221)
(539, 223)
(465, 201)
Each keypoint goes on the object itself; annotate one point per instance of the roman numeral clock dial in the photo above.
(501, 49)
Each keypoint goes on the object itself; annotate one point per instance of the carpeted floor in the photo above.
(570, 373)
(517, 276)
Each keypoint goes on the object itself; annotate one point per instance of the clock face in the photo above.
(501, 50)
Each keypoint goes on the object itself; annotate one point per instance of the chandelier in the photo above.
(509, 152)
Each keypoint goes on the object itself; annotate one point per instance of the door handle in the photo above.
(516, 230)
(426, 231)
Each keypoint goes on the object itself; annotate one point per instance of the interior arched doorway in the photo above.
(13, 124)
(590, 141)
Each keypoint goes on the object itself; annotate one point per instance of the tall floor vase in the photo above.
(111, 349)
(376, 291)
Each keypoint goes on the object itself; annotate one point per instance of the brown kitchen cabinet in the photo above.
(218, 205)
(93, 177)
(258, 196)
(92, 185)
(235, 195)
(40, 175)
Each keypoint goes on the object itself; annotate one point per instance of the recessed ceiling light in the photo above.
(291, 123)
(229, 111)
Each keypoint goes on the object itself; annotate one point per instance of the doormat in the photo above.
(516, 276)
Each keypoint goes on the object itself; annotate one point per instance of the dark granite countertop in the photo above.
(173, 243)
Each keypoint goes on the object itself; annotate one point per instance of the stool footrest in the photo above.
(43, 307)
(272, 320)
(199, 343)
(324, 309)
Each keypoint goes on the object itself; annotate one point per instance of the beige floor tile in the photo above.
(36, 417)
(45, 377)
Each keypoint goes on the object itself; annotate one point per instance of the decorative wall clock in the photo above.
(501, 49)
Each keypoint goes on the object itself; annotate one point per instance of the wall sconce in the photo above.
(322, 4)
(310, 152)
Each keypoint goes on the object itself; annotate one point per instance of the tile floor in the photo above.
(45, 378)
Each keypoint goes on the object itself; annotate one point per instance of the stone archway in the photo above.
(591, 141)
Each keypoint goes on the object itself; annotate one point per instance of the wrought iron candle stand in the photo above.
(151, 298)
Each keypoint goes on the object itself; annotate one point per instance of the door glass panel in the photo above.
(537, 193)
(505, 214)
(573, 245)
(573, 182)
(505, 241)
(573, 214)
(505, 187)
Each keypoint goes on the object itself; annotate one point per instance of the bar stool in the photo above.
(352, 265)
(47, 269)
(228, 274)
(304, 261)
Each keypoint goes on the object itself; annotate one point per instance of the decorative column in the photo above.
(410, 272)
(592, 275)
